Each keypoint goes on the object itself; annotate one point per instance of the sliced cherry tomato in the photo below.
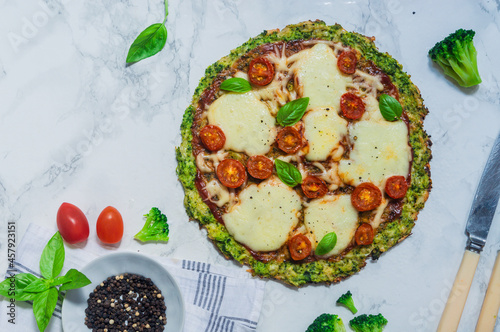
(72, 223)
(352, 106)
(314, 187)
(364, 235)
(299, 247)
(396, 186)
(347, 62)
(289, 140)
(366, 197)
(260, 71)
(260, 167)
(212, 137)
(231, 173)
(110, 226)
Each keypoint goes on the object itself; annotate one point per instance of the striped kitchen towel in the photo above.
(216, 298)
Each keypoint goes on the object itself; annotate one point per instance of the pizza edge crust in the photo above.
(388, 234)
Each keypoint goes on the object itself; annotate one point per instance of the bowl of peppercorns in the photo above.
(129, 292)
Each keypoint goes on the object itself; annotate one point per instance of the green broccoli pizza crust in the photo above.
(392, 221)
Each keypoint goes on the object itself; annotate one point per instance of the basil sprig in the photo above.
(43, 291)
(390, 107)
(287, 173)
(236, 84)
(326, 244)
(149, 42)
(292, 112)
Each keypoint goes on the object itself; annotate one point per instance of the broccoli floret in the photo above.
(327, 323)
(155, 228)
(457, 56)
(368, 323)
(347, 300)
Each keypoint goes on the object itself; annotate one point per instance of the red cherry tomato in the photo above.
(212, 137)
(231, 173)
(366, 197)
(289, 140)
(260, 71)
(352, 106)
(260, 167)
(347, 62)
(110, 226)
(314, 187)
(396, 186)
(72, 223)
(299, 247)
(364, 234)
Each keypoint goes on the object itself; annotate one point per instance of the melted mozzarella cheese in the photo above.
(264, 216)
(319, 77)
(324, 129)
(246, 122)
(332, 214)
(218, 194)
(380, 149)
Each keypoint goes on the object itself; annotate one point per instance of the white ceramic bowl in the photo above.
(75, 302)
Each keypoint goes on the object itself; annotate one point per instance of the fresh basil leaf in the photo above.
(13, 287)
(43, 307)
(52, 259)
(77, 280)
(288, 173)
(37, 286)
(292, 112)
(390, 107)
(236, 84)
(326, 244)
(148, 43)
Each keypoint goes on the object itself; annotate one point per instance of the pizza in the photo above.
(303, 153)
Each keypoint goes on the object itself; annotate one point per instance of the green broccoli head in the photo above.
(457, 56)
(155, 228)
(368, 323)
(327, 323)
(347, 300)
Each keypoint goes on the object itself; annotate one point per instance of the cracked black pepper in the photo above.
(126, 302)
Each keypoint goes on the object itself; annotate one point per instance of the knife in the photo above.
(479, 222)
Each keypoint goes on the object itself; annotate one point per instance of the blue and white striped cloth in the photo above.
(216, 299)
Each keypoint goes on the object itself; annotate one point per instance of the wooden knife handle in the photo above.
(491, 304)
(458, 294)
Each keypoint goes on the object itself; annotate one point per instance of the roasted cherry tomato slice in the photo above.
(366, 197)
(260, 167)
(109, 226)
(72, 223)
(352, 106)
(231, 173)
(347, 62)
(364, 234)
(260, 71)
(212, 137)
(396, 186)
(299, 247)
(289, 140)
(314, 187)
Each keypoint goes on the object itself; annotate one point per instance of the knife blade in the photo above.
(478, 225)
(485, 201)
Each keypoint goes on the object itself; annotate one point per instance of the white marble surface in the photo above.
(77, 125)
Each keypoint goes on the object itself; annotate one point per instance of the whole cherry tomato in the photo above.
(110, 226)
(72, 223)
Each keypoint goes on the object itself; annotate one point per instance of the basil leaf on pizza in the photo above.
(292, 112)
(236, 84)
(326, 244)
(390, 107)
(287, 173)
(258, 214)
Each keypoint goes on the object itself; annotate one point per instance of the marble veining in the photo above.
(78, 125)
